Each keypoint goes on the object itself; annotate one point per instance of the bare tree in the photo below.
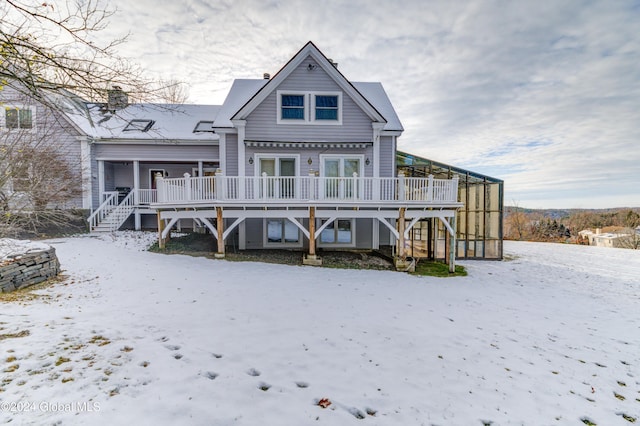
(40, 176)
(516, 223)
(172, 91)
(47, 44)
(629, 239)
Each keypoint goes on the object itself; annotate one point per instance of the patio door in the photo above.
(339, 173)
(280, 172)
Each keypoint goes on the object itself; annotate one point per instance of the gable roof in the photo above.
(375, 93)
(310, 49)
(241, 91)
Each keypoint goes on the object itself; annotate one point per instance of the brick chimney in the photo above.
(117, 99)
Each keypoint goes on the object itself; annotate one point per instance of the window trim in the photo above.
(309, 108)
(352, 243)
(341, 157)
(326, 122)
(18, 107)
(262, 155)
(265, 234)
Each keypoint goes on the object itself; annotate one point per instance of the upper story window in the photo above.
(326, 107)
(18, 118)
(292, 107)
(296, 107)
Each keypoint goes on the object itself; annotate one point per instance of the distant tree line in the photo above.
(564, 225)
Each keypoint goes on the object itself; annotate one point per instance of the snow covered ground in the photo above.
(549, 337)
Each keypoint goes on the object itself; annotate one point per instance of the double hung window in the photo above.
(297, 107)
(18, 118)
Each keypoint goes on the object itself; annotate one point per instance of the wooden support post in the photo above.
(311, 258)
(312, 231)
(161, 224)
(402, 264)
(452, 246)
(401, 251)
(220, 229)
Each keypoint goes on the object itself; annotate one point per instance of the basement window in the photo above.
(139, 125)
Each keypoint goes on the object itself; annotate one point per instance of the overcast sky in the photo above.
(542, 94)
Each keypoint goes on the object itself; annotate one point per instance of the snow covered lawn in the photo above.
(551, 336)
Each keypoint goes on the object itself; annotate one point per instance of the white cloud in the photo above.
(545, 95)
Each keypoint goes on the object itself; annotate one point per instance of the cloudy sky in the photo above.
(543, 94)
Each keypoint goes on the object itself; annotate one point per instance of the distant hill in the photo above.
(564, 224)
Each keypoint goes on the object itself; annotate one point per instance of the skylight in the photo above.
(139, 125)
(203, 126)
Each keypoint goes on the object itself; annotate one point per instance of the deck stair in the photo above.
(110, 216)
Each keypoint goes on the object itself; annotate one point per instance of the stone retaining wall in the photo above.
(29, 269)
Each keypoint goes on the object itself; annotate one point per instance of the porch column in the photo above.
(87, 180)
(311, 258)
(452, 246)
(100, 181)
(136, 193)
(220, 229)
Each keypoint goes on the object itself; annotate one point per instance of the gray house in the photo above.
(303, 159)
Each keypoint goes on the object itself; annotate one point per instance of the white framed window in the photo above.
(280, 232)
(339, 233)
(301, 107)
(338, 172)
(18, 117)
(281, 171)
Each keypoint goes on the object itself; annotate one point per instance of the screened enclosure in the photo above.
(478, 222)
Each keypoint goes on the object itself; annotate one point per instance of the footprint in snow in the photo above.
(253, 372)
(302, 385)
(172, 347)
(356, 413)
(210, 375)
(264, 386)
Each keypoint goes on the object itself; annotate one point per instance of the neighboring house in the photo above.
(617, 238)
(31, 176)
(305, 159)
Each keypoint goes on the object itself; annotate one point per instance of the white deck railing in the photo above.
(270, 189)
(146, 196)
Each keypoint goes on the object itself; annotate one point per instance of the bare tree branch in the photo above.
(45, 45)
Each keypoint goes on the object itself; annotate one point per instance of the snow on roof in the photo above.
(244, 89)
(376, 95)
(154, 121)
(241, 91)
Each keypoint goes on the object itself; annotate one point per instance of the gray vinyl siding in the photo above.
(254, 233)
(145, 152)
(49, 128)
(364, 229)
(232, 155)
(384, 234)
(262, 125)
(387, 157)
(304, 156)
